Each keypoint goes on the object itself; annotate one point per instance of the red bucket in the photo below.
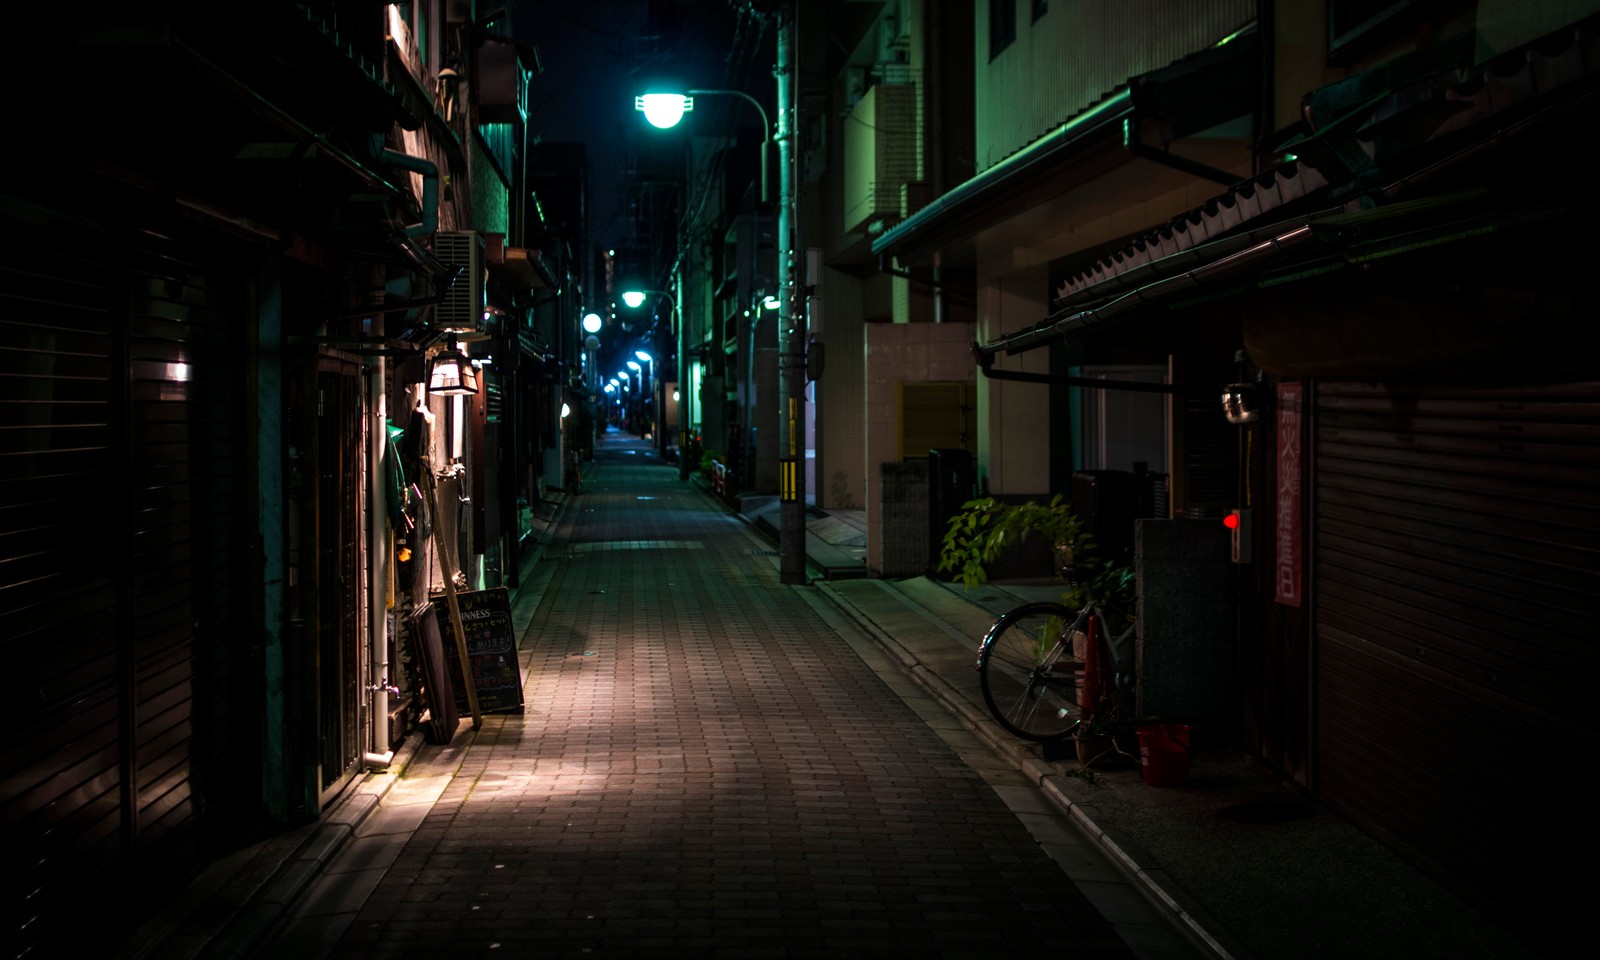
(1164, 754)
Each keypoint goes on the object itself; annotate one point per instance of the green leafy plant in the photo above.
(985, 527)
(1109, 586)
(707, 461)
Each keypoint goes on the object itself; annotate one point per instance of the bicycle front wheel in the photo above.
(1028, 673)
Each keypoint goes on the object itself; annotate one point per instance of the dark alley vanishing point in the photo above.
(706, 768)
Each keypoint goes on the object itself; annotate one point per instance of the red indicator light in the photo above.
(1231, 521)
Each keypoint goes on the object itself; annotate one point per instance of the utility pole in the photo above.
(791, 325)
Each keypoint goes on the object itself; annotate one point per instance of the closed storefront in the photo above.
(1455, 594)
(122, 494)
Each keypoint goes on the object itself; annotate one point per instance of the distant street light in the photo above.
(592, 323)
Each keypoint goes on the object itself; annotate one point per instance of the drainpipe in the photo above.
(380, 756)
(430, 189)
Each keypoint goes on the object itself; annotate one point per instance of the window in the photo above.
(1002, 25)
(1350, 22)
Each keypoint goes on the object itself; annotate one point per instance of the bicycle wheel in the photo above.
(1028, 673)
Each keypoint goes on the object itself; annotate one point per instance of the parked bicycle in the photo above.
(1034, 664)
(1037, 675)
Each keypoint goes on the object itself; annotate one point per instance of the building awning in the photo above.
(1184, 98)
(288, 152)
(521, 267)
(1431, 176)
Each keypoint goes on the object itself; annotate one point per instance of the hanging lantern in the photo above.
(453, 375)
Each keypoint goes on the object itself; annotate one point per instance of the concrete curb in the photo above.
(1184, 913)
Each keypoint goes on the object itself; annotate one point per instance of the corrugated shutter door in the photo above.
(1455, 590)
(184, 420)
(61, 793)
(120, 432)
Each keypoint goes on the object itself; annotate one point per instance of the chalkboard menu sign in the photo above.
(491, 650)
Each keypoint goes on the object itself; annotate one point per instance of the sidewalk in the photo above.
(1239, 865)
(710, 764)
(1248, 864)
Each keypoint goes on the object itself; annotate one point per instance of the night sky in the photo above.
(598, 54)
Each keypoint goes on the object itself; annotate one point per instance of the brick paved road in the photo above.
(705, 769)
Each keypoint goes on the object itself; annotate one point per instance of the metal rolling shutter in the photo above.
(120, 436)
(1457, 530)
(61, 794)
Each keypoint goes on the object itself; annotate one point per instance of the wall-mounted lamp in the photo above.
(1240, 403)
(453, 375)
(446, 96)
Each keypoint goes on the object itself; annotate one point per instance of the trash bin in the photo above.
(1164, 754)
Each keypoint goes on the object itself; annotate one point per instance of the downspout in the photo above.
(430, 189)
(380, 754)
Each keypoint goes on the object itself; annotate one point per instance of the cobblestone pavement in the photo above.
(707, 767)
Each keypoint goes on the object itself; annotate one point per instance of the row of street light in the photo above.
(665, 110)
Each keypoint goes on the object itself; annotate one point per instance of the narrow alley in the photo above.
(706, 768)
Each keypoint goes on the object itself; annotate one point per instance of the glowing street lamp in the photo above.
(664, 110)
(634, 299)
(592, 323)
(649, 371)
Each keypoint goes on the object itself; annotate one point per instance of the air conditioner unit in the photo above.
(463, 304)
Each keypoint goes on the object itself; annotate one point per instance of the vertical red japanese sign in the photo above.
(1287, 567)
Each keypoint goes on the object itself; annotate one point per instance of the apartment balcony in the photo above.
(881, 154)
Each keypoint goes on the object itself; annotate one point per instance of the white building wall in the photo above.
(895, 353)
(1076, 54)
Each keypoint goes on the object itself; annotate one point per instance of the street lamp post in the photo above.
(635, 299)
(665, 110)
(640, 398)
(791, 326)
